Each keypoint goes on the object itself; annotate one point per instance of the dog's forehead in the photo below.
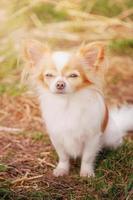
(60, 59)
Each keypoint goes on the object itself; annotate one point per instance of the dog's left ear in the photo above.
(33, 51)
(93, 54)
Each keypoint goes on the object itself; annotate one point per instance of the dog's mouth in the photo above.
(60, 92)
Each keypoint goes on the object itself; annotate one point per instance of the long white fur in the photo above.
(74, 120)
(74, 124)
(120, 121)
(123, 117)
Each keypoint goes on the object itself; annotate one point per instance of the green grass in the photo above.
(5, 194)
(113, 181)
(3, 168)
(121, 46)
(10, 71)
(48, 13)
(36, 136)
(14, 89)
(107, 8)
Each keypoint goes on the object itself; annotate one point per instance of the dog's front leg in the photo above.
(91, 148)
(63, 164)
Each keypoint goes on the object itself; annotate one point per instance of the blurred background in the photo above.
(63, 24)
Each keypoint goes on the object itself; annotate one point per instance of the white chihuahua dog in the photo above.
(69, 86)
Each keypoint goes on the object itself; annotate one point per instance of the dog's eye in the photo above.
(73, 75)
(49, 75)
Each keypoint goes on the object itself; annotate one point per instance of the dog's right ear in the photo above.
(33, 51)
(93, 54)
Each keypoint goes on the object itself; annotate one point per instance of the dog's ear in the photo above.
(33, 51)
(93, 54)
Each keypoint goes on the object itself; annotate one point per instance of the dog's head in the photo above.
(64, 72)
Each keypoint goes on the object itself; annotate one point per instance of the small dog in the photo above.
(69, 87)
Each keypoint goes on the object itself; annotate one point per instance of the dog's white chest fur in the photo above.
(72, 119)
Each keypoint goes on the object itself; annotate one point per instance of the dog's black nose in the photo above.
(60, 85)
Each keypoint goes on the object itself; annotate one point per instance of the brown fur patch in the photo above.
(42, 81)
(74, 64)
(48, 65)
(105, 120)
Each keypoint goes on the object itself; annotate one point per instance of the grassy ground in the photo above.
(26, 155)
(29, 174)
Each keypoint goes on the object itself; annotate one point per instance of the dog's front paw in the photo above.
(87, 173)
(60, 171)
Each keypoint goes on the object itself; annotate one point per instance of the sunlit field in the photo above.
(27, 157)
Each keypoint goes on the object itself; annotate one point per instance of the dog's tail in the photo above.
(120, 121)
